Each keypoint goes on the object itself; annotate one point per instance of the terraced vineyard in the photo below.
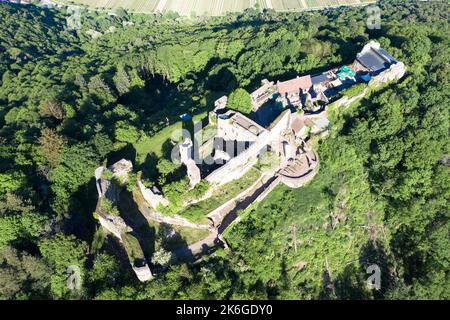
(212, 7)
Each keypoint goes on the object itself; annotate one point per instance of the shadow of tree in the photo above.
(221, 79)
(328, 290)
(82, 204)
(171, 240)
(374, 253)
(351, 283)
(167, 148)
(128, 152)
(133, 217)
(148, 167)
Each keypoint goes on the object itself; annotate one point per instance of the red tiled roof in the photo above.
(294, 85)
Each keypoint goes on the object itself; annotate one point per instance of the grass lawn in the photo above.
(155, 144)
(183, 236)
(179, 236)
(197, 212)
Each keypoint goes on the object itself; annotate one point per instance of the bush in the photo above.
(174, 191)
(200, 189)
(355, 90)
(108, 208)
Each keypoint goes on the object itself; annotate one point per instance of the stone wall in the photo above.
(113, 224)
(395, 71)
(193, 172)
(216, 216)
(176, 220)
(154, 199)
(269, 189)
(206, 148)
(238, 166)
(229, 130)
(235, 167)
(98, 175)
(298, 182)
(143, 273)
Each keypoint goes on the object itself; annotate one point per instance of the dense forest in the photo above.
(71, 100)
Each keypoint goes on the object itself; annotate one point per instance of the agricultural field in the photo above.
(212, 7)
(207, 7)
(145, 6)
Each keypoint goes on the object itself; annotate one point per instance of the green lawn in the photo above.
(198, 212)
(183, 235)
(155, 144)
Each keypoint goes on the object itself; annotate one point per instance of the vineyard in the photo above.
(213, 7)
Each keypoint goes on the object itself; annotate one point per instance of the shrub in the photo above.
(354, 90)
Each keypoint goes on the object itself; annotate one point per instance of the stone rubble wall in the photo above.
(153, 199)
(217, 215)
(238, 166)
(115, 224)
(143, 273)
(395, 71)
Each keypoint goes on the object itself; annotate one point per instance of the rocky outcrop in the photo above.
(153, 196)
(121, 168)
(395, 71)
(114, 224)
(193, 170)
(143, 273)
